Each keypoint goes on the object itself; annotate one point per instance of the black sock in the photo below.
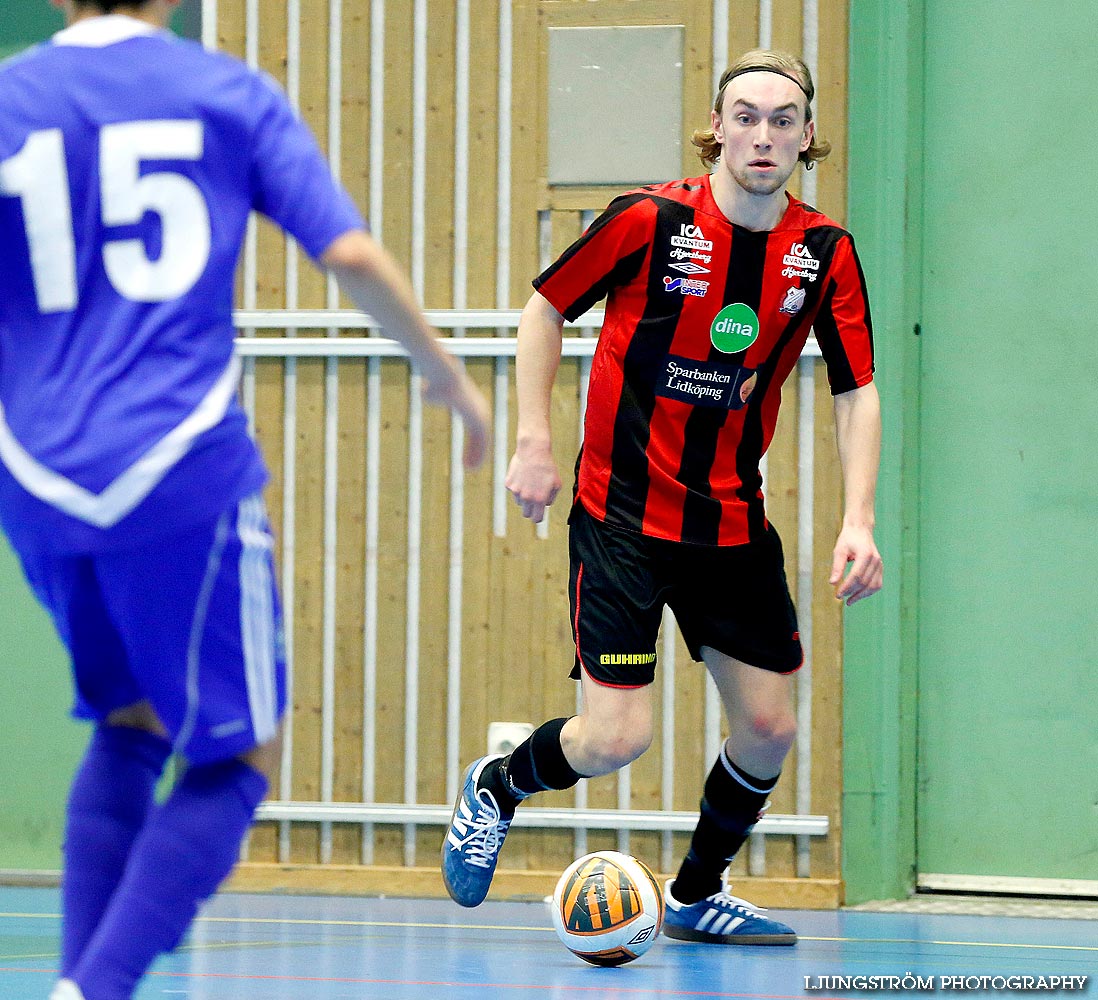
(730, 807)
(537, 764)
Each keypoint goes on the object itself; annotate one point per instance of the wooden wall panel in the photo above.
(516, 643)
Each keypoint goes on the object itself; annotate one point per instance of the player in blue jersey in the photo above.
(129, 486)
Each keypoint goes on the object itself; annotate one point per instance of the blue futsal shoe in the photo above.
(472, 843)
(722, 919)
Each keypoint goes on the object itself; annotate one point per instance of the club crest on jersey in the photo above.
(735, 328)
(685, 286)
(794, 299)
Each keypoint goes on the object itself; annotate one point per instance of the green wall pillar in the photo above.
(879, 662)
(39, 743)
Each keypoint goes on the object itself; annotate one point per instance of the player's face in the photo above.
(762, 131)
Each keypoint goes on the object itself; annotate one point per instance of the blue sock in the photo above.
(188, 846)
(109, 801)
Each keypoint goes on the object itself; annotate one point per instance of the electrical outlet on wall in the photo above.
(503, 737)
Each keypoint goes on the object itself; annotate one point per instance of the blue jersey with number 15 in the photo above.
(129, 162)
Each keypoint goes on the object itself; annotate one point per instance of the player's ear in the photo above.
(716, 125)
(809, 135)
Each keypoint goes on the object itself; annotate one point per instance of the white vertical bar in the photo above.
(411, 655)
(545, 258)
(331, 453)
(713, 712)
(209, 23)
(289, 541)
(503, 269)
(587, 216)
(720, 41)
(419, 128)
(457, 471)
(806, 462)
(373, 440)
(415, 432)
(370, 615)
(377, 114)
(667, 739)
(289, 499)
(756, 854)
(810, 52)
(248, 281)
(625, 796)
(766, 23)
(580, 837)
(250, 274)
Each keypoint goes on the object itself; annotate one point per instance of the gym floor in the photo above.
(280, 947)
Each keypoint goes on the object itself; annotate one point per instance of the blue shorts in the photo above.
(190, 623)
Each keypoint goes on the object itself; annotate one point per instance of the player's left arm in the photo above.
(858, 429)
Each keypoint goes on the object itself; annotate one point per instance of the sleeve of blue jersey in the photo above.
(292, 181)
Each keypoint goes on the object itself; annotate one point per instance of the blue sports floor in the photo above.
(339, 948)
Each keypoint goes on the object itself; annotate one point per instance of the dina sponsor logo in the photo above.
(735, 328)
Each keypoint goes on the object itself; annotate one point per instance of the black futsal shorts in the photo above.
(732, 598)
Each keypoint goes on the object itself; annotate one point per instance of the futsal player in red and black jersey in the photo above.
(712, 285)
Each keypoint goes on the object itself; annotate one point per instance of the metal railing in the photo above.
(411, 813)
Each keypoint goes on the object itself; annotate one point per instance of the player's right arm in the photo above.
(371, 278)
(532, 476)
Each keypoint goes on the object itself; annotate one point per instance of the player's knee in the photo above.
(265, 757)
(140, 715)
(777, 729)
(616, 746)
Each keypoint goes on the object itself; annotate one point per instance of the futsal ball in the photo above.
(607, 908)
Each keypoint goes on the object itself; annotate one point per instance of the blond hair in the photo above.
(709, 149)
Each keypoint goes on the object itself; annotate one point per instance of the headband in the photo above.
(767, 69)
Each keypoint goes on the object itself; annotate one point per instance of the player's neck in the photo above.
(757, 212)
(155, 13)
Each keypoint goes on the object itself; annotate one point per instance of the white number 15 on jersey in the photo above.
(38, 176)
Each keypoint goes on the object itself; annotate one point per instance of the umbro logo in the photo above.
(689, 267)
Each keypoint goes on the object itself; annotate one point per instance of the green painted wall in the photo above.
(879, 658)
(1008, 685)
(30, 21)
(39, 744)
(970, 744)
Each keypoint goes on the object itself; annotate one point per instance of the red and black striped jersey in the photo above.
(704, 322)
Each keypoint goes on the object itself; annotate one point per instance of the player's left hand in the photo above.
(855, 547)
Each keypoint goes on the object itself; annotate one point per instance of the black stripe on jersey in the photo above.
(839, 372)
(643, 363)
(865, 300)
(821, 242)
(620, 274)
(625, 268)
(701, 513)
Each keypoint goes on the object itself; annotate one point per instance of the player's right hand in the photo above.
(457, 391)
(533, 479)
